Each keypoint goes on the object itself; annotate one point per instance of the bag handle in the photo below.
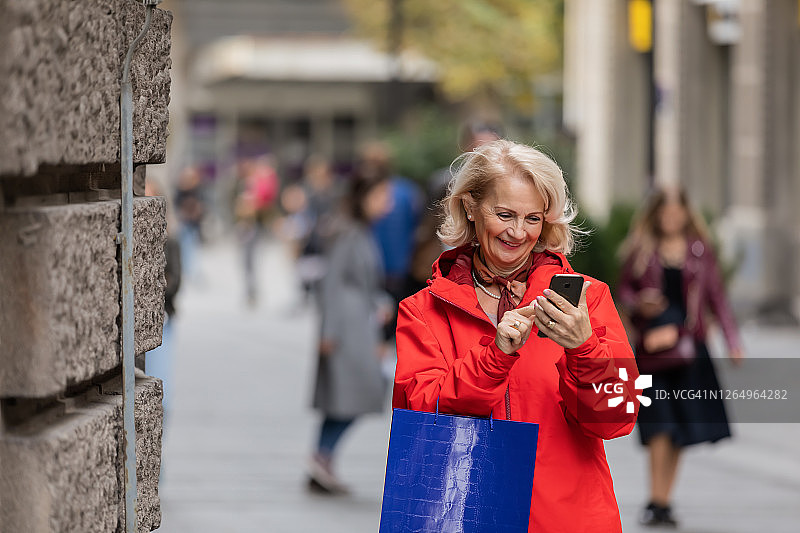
(436, 417)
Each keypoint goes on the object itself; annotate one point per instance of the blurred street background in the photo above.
(277, 104)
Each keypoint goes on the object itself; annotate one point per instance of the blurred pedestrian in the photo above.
(669, 282)
(468, 344)
(427, 245)
(159, 362)
(472, 134)
(190, 205)
(323, 198)
(349, 381)
(257, 191)
(395, 230)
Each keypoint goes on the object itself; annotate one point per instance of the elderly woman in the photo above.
(470, 338)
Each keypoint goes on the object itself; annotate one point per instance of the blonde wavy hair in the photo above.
(475, 172)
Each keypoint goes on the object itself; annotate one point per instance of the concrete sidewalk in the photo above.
(239, 429)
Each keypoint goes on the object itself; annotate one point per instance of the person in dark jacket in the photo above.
(669, 282)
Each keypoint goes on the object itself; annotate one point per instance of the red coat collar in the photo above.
(452, 276)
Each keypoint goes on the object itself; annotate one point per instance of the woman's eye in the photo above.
(533, 218)
(504, 216)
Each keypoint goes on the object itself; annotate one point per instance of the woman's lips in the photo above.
(509, 244)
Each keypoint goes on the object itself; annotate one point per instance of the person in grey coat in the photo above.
(353, 306)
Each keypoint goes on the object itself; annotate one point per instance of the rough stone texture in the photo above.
(150, 415)
(60, 70)
(149, 237)
(58, 278)
(65, 472)
(61, 292)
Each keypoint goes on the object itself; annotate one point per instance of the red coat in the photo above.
(446, 350)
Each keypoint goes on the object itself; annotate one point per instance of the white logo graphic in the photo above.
(644, 381)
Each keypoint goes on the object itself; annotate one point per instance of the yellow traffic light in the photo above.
(640, 25)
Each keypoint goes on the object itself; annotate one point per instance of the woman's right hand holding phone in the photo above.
(567, 325)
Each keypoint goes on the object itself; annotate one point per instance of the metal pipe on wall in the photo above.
(125, 239)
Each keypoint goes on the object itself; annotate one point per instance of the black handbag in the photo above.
(679, 355)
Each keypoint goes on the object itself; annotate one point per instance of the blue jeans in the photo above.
(330, 432)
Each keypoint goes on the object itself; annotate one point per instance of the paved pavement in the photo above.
(239, 429)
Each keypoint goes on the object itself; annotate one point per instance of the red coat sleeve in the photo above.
(470, 385)
(590, 374)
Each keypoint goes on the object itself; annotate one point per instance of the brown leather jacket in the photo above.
(703, 291)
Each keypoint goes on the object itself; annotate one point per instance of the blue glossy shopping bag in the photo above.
(460, 474)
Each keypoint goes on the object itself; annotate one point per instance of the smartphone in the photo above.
(569, 286)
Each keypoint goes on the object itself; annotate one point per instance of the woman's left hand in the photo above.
(737, 357)
(567, 325)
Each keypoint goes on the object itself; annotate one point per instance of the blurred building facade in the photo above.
(705, 93)
(285, 78)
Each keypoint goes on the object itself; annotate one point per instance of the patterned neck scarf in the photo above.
(512, 287)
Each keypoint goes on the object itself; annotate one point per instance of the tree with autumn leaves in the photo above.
(486, 50)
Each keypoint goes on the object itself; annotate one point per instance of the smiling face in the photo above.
(508, 222)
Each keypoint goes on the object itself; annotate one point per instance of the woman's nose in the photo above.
(515, 229)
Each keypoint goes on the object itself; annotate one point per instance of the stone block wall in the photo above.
(61, 292)
(60, 70)
(61, 443)
(62, 468)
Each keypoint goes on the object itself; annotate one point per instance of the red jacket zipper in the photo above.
(508, 392)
